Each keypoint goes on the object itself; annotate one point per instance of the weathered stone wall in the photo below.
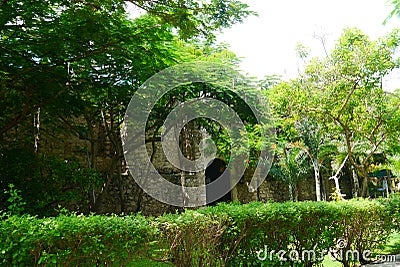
(69, 144)
(134, 199)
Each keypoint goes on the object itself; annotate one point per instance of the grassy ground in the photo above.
(393, 245)
(330, 263)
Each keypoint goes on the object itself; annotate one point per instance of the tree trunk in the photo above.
(121, 188)
(91, 157)
(100, 207)
(323, 188)
(291, 192)
(356, 191)
(336, 178)
(337, 188)
(317, 180)
(111, 126)
(364, 186)
(36, 125)
(118, 157)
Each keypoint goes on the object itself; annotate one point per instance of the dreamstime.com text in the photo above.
(335, 253)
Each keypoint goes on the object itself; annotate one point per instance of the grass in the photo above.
(330, 263)
(393, 244)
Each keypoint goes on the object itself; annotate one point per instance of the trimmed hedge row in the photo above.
(303, 227)
(73, 240)
(225, 235)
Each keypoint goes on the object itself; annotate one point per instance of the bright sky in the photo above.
(267, 43)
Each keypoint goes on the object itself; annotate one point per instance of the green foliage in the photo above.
(232, 92)
(302, 51)
(195, 18)
(334, 196)
(393, 208)
(44, 183)
(223, 235)
(365, 225)
(301, 226)
(396, 10)
(343, 95)
(394, 164)
(80, 62)
(68, 44)
(73, 240)
(311, 135)
(291, 167)
(15, 202)
(192, 238)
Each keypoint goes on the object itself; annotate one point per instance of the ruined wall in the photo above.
(134, 199)
(71, 144)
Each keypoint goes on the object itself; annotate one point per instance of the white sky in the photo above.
(267, 43)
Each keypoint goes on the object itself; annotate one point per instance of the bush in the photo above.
(192, 238)
(73, 240)
(238, 235)
(254, 230)
(392, 205)
(224, 235)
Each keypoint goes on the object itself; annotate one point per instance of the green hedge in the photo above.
(237, 233)
(73, 240)
(225, 235)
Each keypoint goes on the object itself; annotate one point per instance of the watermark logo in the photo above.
(137, 116)
(337, 252)
(341, 243)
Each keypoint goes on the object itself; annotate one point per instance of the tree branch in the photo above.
(347, 99)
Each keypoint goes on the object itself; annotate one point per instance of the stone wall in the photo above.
(70, 144)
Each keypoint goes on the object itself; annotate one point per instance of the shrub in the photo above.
(191, 238)
(392, 206)
(363, 226)
(224, 235)
(15, 201)
(73, 240)
(299, 227)
(259, 229)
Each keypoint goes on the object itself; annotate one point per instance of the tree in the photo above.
(85, 59)
(40, 40)
(344, 94)
(300, 131)
(195, 18)
(291, 167)
(311, 137)
(395, 11)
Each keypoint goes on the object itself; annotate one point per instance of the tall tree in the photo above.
(344, 93)
(85, 59)
(41, 39)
